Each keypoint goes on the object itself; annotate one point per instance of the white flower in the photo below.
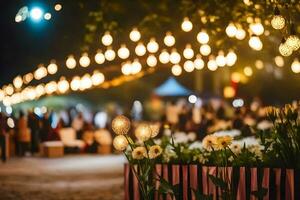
(196, 145)
(192, 136)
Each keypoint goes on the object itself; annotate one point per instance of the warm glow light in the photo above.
(120, 143)
(231, 58)
(18, 82)
(279, 61)
(164, 57)
(121, 125)
(285, 50)
(152, 46)
(110, 54)
(135, 35)
(205, 50)
(107, 39)
(176, 70)
(188, 66)
(235, 77)
(240, 34)
(259, 64)
(28, 78)
(99, 57)
(198, 62)
(71, 62)
(52, 68)
(231, 30)
(18, 18)
(229, 92)
(143, 132)
(51, 87)
(84, 60)
(278, 22)
(9, 90)
(75, 83)
(212, 64)
(248, 71)
(40, 90)
(58, 7)
(63, 85)
(296, 66)
(293, 42)
(40, 73)
(97, 78)
(126, 68)
(140, 49)
(85, 82)
(47, 16)
(257, 28)
(255, 43)
(175, 57)
(203, 37)
(186, 25)
(136, 66)
(188, 52)
(220, 59)
(123, 52)
(151, 61)
(169, 39)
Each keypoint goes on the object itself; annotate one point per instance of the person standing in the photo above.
(2, 137)
(33, 123)
(23, 134)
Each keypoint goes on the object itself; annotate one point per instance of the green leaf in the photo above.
(218, 182)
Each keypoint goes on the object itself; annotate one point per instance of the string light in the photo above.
(175, 57)
(51, 87)
(135, 35)
(107, 39)
(84, 60)
(229, 92)
(120, 142)
(220, 59)
(240, 34)
(176, 70)
(63, 85)
(278, 21)
(164, 57)
(259, 64)
(97, 78)
(9, 89)
(28, 78)
(293, 42)
(152, 46)
(40, 73)
(248, 71)
(284, 49)
(205, 49)
(143, 132)
(126, 68)
(52, 68)
(203, 37)
(188, 66)
(235, 77)
(231, 30)
(198, 62)
(121, 125)
(231, 58)
(296, 66)
(186, 25)
(140, 49)
(71, 62)
(109, 54)
(40, 90)
(136, 66)
(18, 82)
(255, 43)
(169, 39)
(257, 28)
(151, 61)
(123, 52)
(99, 57)
(212, 64)
(279, 61)
(188, 52)
(75, 83)
(85, 82)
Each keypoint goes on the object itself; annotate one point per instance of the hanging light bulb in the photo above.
(27, 78)
(126, 68)
(220, 59)
(75, 83)
(136, 66)
(248, 71)
(135, 35)
(140, 49)
(9, 90)
(51, 87)
(203, 37)
(152, 46)
(231, 30)
(71, 62)
(284, 49)
(84, 60)
(255, 43)
(120, 143)
(40, 73)
(109, 54)
(188, 66)
(85, 82)
(169, 39)
(164, 57)
(151, 61)
(231, 58)
(107, 39)
(123, 52)
(278, 21)
(198, 62)
(259, 64)
(212, 64)
(279, 61)
(97, 78)
(63, 85)
(18, 82)
(186, 25)
(257, 28)
(175, 57)
(99, 57)
(40, 90)
(296, 66)
(240, 34)
(52, 67)
(205, 49)
(188, 52)
(176, 70)
(293, 40)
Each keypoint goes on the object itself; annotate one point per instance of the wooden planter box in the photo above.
(282, 184)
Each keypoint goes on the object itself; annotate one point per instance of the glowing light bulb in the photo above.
(279, 61)
(188, 52)
(120, 143)
(231, 58)
(84, 60)
(28, 78)
(152, 46)
(143, 132)
(285, 50)
(175, 57)
(40, 73)
(296, 66)
(71, 62)
(259, 64)
(186, 25)
(109, 54)
(63, 85)
(126, 68)
(47, 16)
(169, 39)
(164, 57)
(293, 42)
(220, 59)
(248, 71)
(257, 28)
(255, 43)
(136, 66)
(205, 50)
(123, 52)
(97, 78)
(99, 57)
(107, 39)
(85, 82)
(231, 30)
(75, 83)
(278, 22)
(212, 64)
(235, 77)
(135, 35)
(188, 66)
(198, 62)
(52, 68)
(9, 90)
(51, 87)
(18, 82)
(140, 49)
(176, 70)
(240, 34)
(229, 92)
(151, 61)
(203, 37)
